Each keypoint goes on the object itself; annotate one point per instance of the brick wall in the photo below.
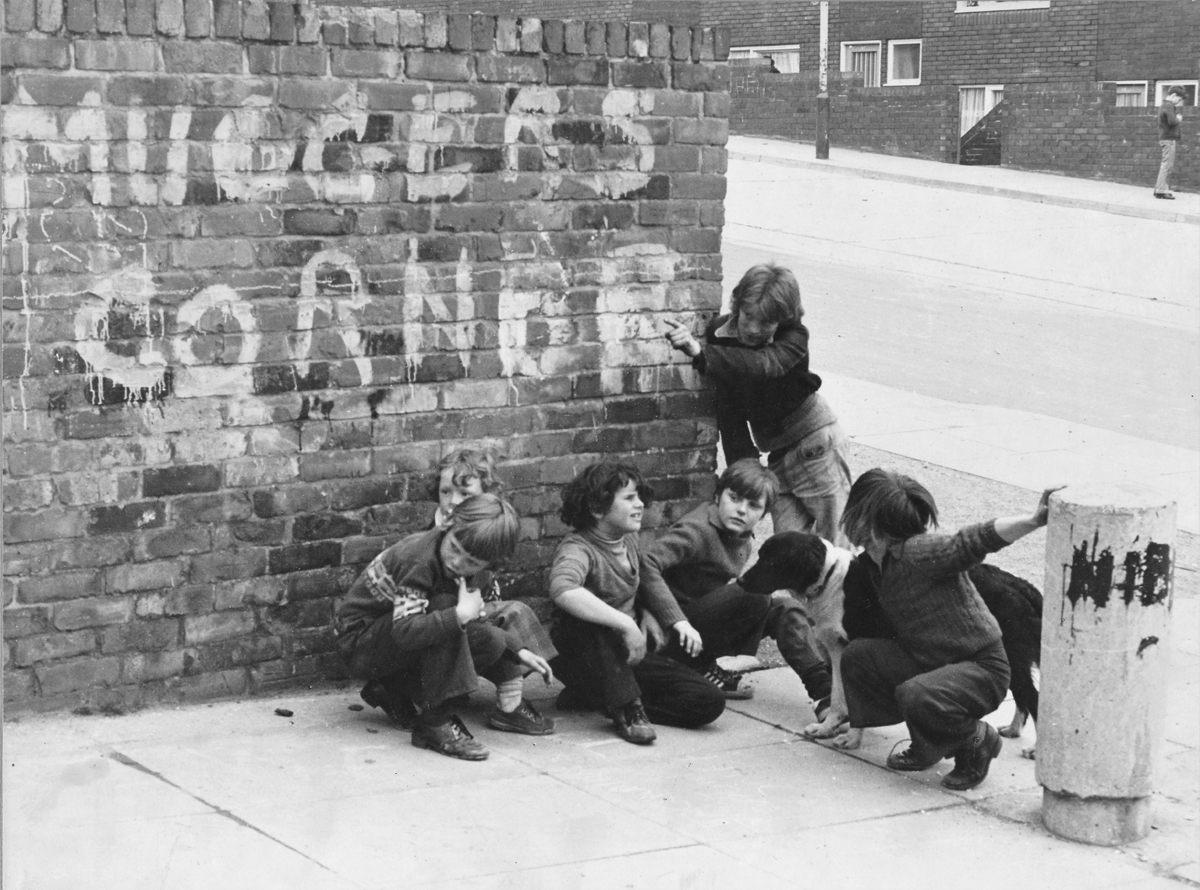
(1161, 42)
(918, 122)
(265, 263)
(1076, 129)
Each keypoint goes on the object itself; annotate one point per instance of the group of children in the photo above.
(638, 627)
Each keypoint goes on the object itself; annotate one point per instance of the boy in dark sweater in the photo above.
(756, 358)
(414, 625)
(698, 559)
(946, 668)
(594, 582)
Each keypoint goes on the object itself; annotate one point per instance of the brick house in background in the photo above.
(1060, 85)
(1067, 86)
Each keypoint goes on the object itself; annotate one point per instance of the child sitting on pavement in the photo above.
(594, 582)
(459, 475)
(947, 667)
(757, 358)
(698, 559)
(414, 626)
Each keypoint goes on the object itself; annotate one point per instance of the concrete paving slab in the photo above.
(199, 852)
(69, 791)
(944, 849)
(692, 867)
(460, 831)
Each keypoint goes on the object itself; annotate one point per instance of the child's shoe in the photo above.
(450, 738)
(633, 725)
(525, 720)
(399, 709)
(728, 682)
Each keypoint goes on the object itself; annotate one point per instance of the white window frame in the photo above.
(999, 5)
(1160, 89)
(1143, 84)
(894, 81)
(762, 52)
(845, 58)
(990, 91)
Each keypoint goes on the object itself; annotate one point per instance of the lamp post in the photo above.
(823, 86)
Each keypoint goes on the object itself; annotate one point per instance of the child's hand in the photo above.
(632, 637)
(1041, 513)
(539, 664)
(689, 638)
(470, 603)
(681, 338)
(652, 631)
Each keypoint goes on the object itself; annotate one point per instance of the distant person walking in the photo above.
(1168, 139)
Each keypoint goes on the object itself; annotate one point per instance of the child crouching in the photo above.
(602, 651)
(414, 626)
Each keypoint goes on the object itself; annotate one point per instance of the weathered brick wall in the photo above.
(1161, 42)
(1077, 129)
(918, 122)
(265, 263)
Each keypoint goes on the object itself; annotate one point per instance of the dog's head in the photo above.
(786, 561)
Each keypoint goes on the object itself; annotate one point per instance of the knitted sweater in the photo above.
(695, 556)
(1168, 121)
(925, 593)
(768, 387)
(400, 581)
(583, 559)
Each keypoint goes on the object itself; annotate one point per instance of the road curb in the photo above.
(994, 191)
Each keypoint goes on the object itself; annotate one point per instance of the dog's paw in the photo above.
(850, 740)
(1029, 753)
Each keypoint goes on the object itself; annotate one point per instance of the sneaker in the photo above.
(525, 720)
(399, 708)
(451, 738)
(1166, 196)
(632, 723)
(728, 682)
(972, 760)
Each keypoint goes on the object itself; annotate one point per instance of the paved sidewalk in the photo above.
(1045, 188)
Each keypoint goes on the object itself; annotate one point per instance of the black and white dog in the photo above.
(843, 605)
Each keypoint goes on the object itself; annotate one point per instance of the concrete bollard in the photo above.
(1105, 652)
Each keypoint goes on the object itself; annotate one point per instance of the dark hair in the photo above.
(486, 526)
(891, 505)
(748, 478)
(464, 465)
(592, 492)
(770, 290)
(1177, 91)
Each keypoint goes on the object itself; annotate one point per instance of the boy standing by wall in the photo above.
(757, 359)
(1169, 119)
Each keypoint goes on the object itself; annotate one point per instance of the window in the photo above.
(974, 103)
(999, 5)
(1131, 93)
(1160, 90)
(785, 57)
(863, 58)
(904, 62)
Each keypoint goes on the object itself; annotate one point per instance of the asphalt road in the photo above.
(1076, 314)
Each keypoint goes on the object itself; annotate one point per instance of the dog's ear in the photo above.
(810, 560)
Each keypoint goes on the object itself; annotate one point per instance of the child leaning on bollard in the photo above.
(946, 668)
